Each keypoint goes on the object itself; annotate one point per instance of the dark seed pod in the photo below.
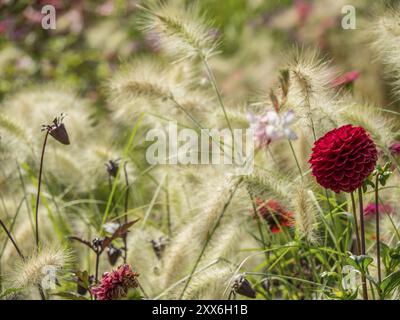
(97, 243)
(59, 133)
(159, 246)
(112, 167)
(80, 289)
(113, 254)
(243, 287)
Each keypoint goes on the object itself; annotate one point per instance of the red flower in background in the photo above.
(115, 285)
(370, 209)
(303, 9)
(343, 158)
(345, 79)
(395, 148)
(274, 214)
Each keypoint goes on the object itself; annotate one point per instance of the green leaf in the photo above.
(9, 292)
(361, 262)
(390, 283)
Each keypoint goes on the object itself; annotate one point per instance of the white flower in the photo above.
(258, 124)
(278, 126)
(110, 227)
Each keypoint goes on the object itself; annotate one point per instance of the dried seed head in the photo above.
(113, 254)
(112, 167)
(57, 130)
(159, 246)
(243, 287)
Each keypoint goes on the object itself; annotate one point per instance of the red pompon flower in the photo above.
(370, 209)
(345, 79)
(274, 214)
(115, 285)
(343, 158)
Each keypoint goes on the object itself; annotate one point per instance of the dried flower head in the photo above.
(343, 158)
(159, 246)
(57, 130)
(113, 253)
(115, 285)
(243, 287)
(112, 167)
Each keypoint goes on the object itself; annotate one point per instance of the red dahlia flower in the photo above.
(343, 158)
(115, 285)
(274, 214)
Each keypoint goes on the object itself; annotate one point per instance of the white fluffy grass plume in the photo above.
(305, 216)
(31, 271)
(184, 34)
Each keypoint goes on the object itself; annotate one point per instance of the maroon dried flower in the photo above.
(274, 214)
(370, 209)
(113, 254)
(112, 167)
(345, 79)
(115, 285)
(243, 287)
(57, 130)
(395, 148)
(343, 158)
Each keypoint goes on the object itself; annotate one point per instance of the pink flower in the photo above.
(115, 285)
(258, 124)
(395, 148)
(370, 211)
(345, 79)
(303, 9)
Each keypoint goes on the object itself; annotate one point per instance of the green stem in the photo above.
(218, 93)
(363, 247)
(295, 158)
(38, 189)
(358, 241)
(377, 216)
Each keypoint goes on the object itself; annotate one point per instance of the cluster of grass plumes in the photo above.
(87, 201)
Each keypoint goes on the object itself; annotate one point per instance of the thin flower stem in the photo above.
(97, 265)
(12, 240)
(259, 222)
(377, 216)
(213, 81)
(272, 155)
(295, 158)
(361, 207)
(125, 236)
(168, 208)
(209, 236)
(330, 211)
(38, 189)
(358, 241)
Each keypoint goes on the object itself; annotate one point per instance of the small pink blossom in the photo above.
(345, 79)
(114, 285)
(395, 148)
(303, 9)
(370, 209)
